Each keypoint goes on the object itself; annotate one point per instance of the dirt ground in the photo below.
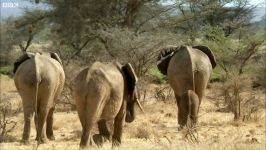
(155, 129)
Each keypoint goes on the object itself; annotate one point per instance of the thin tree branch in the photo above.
(154, 16)
(24, 49)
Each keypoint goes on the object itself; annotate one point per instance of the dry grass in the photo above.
(7, 84)
(156, 129)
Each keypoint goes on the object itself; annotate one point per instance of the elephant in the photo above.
(39, 79)
(188, 70)
(105, 92)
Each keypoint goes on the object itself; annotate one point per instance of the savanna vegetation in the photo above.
(85, 31)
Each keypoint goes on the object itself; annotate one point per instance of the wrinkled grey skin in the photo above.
(102, 95)
(39, 79)
(188, 70)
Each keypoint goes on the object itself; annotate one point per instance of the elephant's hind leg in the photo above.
(28, 109)
(194, 106)
(95, 102)
(181, 112)
(41, 118)
(189, 108)
(118, 125)
(81, 105)
(49, 126)
(104, 133)
(103, 128)
(28, 113)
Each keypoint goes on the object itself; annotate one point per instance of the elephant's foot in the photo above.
(25, 141)
(41, 140)
(99, 139)
(82, 147)
(192, 127)
(51, 137)
(116, 142)
(181, 127)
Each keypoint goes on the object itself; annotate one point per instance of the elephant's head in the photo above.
(165, 57)
(29, 55)
(131, 95)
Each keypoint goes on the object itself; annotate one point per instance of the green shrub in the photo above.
(217, 75)
(260, 78)
(6, 70)
(157, 74)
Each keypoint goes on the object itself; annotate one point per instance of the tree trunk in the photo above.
(131, 12)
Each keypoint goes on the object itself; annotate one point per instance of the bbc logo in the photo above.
(9, 5)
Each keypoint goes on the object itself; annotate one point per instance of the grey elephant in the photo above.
(188, 70)
(104, 93)
(39, 79)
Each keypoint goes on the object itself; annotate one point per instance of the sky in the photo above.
(255, 2)
(16, 7)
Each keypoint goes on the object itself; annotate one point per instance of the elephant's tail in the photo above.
(37, 79)
(190, 67)
(36, 100)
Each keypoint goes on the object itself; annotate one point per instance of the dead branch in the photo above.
(24, 49)
(252, 50)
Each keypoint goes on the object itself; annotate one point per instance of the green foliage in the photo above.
(6, 70)
(214, 33)
(217, 74)
(233, 52)
(16, 32)
(134, 30)
(260, 73)
(222, 46)
(157, 74)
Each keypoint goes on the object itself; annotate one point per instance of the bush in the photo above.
(66, 101)
(217, 75)
(6, 70)
(154, 72)
(260, 78)
(143, 132)
(6, 123)
(165, 94)
(239, 100)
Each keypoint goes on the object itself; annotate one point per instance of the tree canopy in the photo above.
(130, 29)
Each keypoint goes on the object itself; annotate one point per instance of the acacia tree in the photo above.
(193, 16)
(79, 26)
(76, 22)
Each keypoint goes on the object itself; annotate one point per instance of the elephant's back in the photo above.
(100, 82)
(201, 61)
(48, 67)
(100, 74)
(189, 69)
(116, 83)
(26, 73)
(203, 71)
(108, 72)
(180, 71)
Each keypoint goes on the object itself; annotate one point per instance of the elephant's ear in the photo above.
(208, 52)
(21, 59)
(164, 58)
(131, 77)
(56, 57)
